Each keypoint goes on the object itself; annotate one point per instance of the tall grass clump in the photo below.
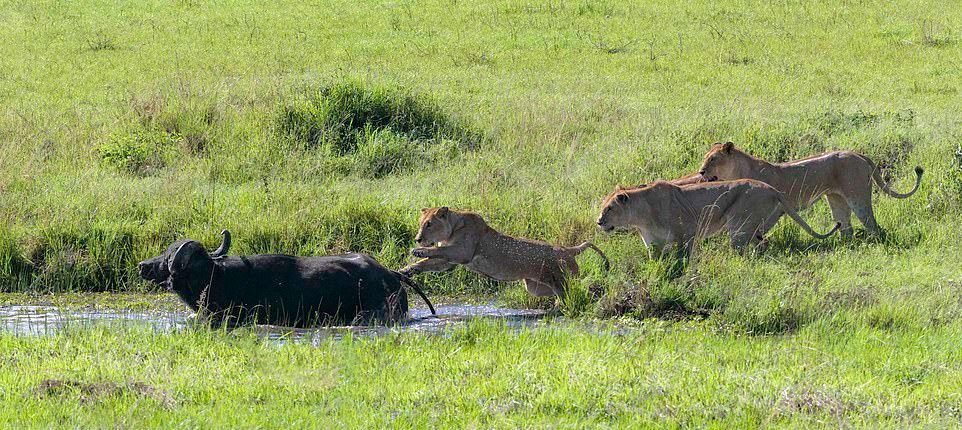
(352, 226)
(67, 259)
(191, 119)
(373, 130)
(15, 269)
(139, 152)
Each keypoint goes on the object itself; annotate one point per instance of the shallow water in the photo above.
(47, 320)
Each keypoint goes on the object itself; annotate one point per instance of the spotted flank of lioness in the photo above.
(448, 237)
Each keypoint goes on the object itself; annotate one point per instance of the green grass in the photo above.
(159, 303)
(324, 128)
(485, 375)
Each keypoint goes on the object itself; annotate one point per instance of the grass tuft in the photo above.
(102, 41)
(371, 130)
(138, 152)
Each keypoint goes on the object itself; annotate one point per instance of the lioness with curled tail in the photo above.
(448, 237)
(668, 214)
(844, 177)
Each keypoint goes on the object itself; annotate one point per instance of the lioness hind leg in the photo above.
(768, 224)
(569, 265)
(760, 241)
(842, 213)
(865, 214)
(541, 289)
(743, 232)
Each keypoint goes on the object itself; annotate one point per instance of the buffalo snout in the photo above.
(152, 270)
(144, 269)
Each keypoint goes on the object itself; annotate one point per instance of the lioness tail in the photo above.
(877, 176)
(581, 248)
(791, 212)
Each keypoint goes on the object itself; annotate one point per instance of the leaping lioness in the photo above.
(448, 237)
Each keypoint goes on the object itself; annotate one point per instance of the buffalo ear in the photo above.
(179, 259)
(184, 256)
(622, 198)
(727, 147)
(442, 211)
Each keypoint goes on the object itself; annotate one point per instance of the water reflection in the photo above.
(44, 320)
(47, 320)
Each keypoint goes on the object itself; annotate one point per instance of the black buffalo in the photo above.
(280, 289)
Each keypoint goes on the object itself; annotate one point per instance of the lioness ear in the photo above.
(727, 147)
(423, 210)
(618, 187)
(442, 211)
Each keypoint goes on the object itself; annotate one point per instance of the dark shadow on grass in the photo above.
(793, 241)
(91, 393)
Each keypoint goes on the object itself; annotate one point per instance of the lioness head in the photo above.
(722, 162)
(436, 225)
(615, 211)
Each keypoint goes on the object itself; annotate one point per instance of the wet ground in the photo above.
(47, 320)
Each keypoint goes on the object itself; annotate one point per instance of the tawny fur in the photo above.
(843, 177)
(447, 238)
(672, 215)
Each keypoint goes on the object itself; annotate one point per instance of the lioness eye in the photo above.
(427, 224)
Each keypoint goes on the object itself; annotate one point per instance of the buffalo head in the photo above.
(182, 265)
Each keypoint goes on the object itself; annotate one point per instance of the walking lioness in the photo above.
(844, 177)
(668, 214)
(448, 237)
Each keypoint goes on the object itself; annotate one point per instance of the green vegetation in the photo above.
(386, 131)
(159, 303)
(137, 152)
(484, 374)
(324, 128)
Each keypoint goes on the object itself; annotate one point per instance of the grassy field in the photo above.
(310, 128)
(484, 375)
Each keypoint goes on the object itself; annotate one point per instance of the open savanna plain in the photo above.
(323, 127)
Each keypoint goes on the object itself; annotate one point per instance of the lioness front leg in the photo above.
(454, 254)
(427, 265)
(671, 249)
